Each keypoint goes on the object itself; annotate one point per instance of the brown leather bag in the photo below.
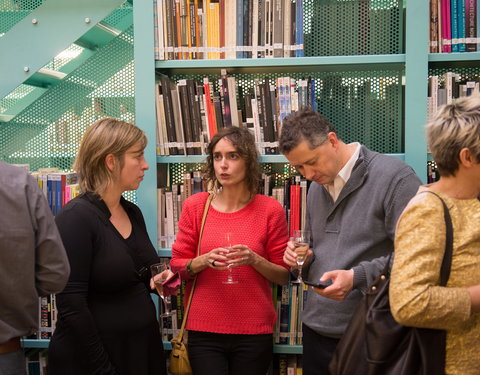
(375, 344)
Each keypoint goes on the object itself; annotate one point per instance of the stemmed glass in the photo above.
(228, 238)
(301, 240)
(157, 269)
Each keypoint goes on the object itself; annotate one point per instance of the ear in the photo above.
(333, 139)
(466, 157)
(110, 161)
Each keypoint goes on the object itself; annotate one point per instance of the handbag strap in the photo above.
(185, 315)
(447, 256)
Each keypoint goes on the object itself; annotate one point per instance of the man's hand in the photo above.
(290, 256)
(342, 284)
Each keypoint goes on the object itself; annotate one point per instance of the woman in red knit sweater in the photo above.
(230, 325)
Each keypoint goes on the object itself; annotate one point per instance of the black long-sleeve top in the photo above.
(106, 321)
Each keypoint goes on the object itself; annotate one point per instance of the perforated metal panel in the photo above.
(278, 171)
(47, 133)
(13, 11)
(364, 106)
(352, 27)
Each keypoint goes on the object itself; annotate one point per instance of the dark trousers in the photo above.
(222, 354)
(317, 352)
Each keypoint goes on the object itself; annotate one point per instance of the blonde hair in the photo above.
(105, 136)
(455, 126)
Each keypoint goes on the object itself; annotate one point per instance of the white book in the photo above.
(433, 84)
(255, 29)
(232, 95)
(170, 224)
(177, 114)
(230, 29)
(287, 28)
(161, 218)
(159, 28)
(448, 86)
(160, 116)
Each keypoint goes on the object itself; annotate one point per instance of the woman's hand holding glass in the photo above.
(161, 272)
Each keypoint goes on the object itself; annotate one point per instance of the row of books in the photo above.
(59, 188)
(454, 26)
(228, 29)
(289, 300)
(444, 89)
(291, 193)
(36, 361)
(286, 364)
(190, 112)
(432, 172)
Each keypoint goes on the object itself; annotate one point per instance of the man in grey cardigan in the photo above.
(353, 205)
(33, 262)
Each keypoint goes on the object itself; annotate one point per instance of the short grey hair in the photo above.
(304, 125)
(454, 127)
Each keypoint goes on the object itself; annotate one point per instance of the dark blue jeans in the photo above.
(317, 352)
(222, 354)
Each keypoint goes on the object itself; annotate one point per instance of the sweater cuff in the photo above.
(359, 278)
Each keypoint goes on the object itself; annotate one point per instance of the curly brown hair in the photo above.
(244, 142)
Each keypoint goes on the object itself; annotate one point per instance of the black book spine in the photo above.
(186, 117)
(169, 118)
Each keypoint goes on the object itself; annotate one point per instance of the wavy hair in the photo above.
(244, 142)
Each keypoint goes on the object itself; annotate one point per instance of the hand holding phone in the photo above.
(318, 284)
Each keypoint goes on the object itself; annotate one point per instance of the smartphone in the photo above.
(318, 284)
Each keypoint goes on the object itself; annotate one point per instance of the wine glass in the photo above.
(228, 238)
(157, 269)
(301, 240)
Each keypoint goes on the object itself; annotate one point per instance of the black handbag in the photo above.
(375, 344)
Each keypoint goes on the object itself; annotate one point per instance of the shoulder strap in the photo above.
(187, 308)
(447, 257)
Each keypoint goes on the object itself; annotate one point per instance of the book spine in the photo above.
(299, 29)
(185, 114)
(277, 28)
(226, 99)
(461, 25)
(222, 28)
(240, 16)
(454, 24)
(446, 27)
(433, 26)
(287, 28)
(471, 25)
(209, 108)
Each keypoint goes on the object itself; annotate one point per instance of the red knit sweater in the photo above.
(245, 307)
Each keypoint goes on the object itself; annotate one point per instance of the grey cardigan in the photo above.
(355, 232)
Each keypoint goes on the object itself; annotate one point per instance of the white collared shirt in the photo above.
(342, 177)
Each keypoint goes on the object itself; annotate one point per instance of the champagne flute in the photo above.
(157, 269)
(301, 239)
(228, 238)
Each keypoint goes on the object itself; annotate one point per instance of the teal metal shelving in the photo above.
(201, 158)
(454, 57)
(284, 62)
(281, 349)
